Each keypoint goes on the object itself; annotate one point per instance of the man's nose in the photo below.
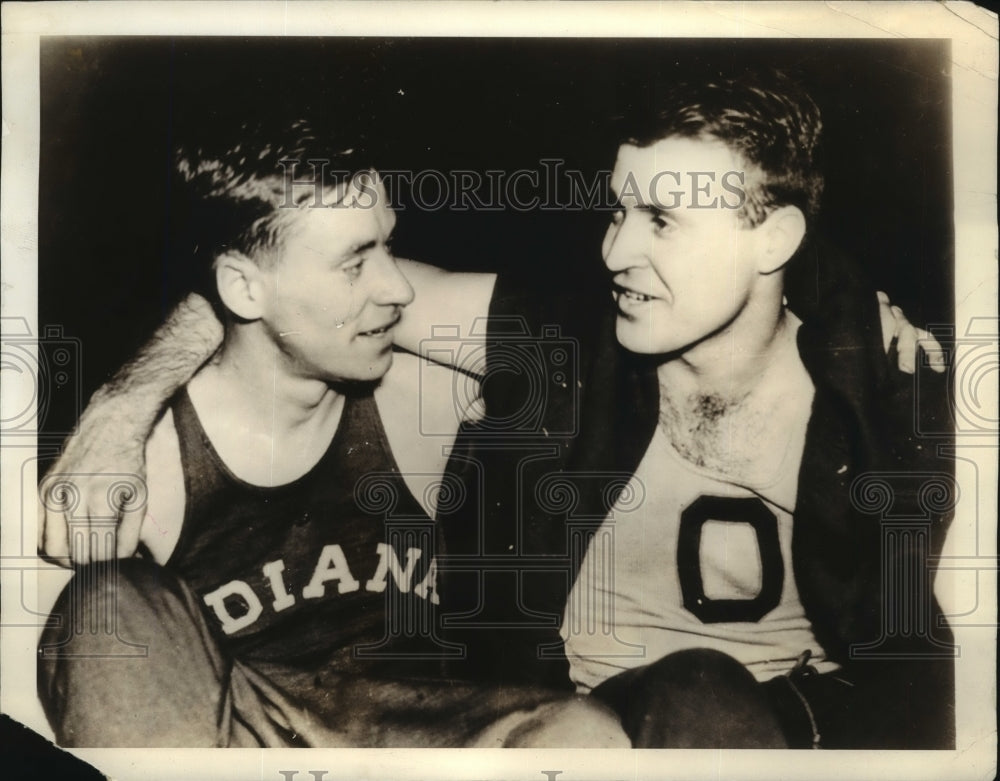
(624, 245)
(392, 288)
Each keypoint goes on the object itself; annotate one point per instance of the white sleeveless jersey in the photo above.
(690, 559)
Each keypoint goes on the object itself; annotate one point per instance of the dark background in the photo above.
(113, 108)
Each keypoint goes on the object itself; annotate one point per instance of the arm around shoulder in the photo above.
(108, 444)
(448, 306)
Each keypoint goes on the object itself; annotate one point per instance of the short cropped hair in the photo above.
(232, 188)
(765, 118)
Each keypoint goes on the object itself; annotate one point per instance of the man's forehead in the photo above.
(353, 221)
(671, 160)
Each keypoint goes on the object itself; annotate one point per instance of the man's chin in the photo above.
(366, 378)
(634, 336)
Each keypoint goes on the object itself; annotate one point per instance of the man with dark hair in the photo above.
(693, 609)
(273, 567)
(731, 592)
(748, 422)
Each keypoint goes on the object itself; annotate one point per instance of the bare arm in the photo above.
(453, 306)
(449, 311)
(99, 478)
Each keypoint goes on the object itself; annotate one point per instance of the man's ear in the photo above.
(240, 285)
(780, 235)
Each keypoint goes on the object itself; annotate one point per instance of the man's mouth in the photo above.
(618, 293)
(382, 329)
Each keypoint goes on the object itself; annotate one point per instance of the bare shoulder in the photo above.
(421, 406)
(161, 526)
(439, 394)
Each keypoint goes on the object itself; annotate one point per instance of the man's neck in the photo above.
(730, 364)
(721, 404)
(259, 380)
(268, 425)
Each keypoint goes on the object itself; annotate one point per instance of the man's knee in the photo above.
(104, 598)
(102, 614)
(701, 669)
(122, 632)
(697, 698)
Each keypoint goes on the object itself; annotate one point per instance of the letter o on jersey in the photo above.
(749, 510)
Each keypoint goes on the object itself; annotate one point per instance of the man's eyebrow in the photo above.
(615, 201)
(364, 246)
(357, 249)
(651, 208)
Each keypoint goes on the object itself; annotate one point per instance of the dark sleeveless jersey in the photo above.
(334, 569)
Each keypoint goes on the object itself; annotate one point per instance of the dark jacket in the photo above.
(570, 415)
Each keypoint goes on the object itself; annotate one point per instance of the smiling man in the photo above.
(699, 284)
(731, 587)
(279, 599)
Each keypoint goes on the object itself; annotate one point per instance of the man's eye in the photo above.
(660, 222)
(353, 268)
